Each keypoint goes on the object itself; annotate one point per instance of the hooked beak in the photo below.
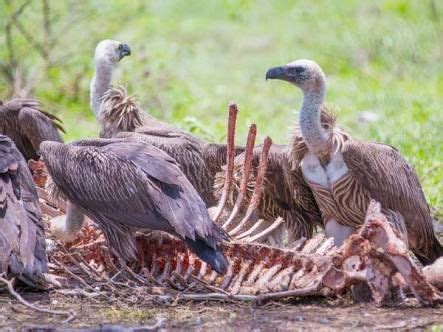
(278, 73)
(124, 50)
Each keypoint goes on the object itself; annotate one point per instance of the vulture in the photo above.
(285, 192)
(127, 186)
(23, 121)
(120, 115)
(344, 175)
(22, 239)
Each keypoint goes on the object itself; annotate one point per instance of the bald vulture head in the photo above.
(111, 51)
(305, 74)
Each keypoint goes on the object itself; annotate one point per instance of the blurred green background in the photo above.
(191, 58)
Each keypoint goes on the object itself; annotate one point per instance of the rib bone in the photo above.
(230, 154)
(246, 171)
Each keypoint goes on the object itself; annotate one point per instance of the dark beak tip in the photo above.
(275, 73)
(125, 50)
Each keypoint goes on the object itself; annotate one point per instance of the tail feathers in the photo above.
(213, 257)
(435, 252)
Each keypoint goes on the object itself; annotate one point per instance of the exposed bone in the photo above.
(256, 195)
(325, 247)
(268, 230)
(241, 276)
(202, 271)
(377, 229)
(250, 230)
(312, 245)
(227, 277)
(268, 275)
(281, 280)
(43, 195)
(249, 153)
(254, 274)
(434, 273)
(230, 155)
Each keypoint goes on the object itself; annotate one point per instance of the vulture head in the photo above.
(305, 74)
(111, 51)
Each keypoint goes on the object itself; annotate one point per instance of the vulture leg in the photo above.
(66, 227)
(337, 231)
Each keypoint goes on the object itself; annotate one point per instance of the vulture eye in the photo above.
(120, 47)
(299, 70)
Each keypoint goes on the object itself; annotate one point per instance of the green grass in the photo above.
(190, 59)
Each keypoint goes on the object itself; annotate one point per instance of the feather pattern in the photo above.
(285, 193)
(121, 116)
(22, 240)
(28, 125)
(128, 186)
(384, 175)
(345, 174)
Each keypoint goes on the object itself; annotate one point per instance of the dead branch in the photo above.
(12, 291)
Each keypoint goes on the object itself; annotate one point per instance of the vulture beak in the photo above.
(124, 50)
(278, 73)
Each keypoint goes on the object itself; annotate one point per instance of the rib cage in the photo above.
(253, 268)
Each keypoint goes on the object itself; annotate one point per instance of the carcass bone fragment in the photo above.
(378, 256)
(383, 239)
(434, 273)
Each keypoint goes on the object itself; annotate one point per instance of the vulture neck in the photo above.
(100, 83)
(313, 134)
(74, 219)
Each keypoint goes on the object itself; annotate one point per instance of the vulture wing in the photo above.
(215, 156)
(389, 179)
(27, 125)
(39, 126)
(22, 240)
(186, 151)
(130, 184)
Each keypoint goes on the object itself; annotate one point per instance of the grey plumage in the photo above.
(22, 240)
(124, 186)
(120, 115)
(28, 125)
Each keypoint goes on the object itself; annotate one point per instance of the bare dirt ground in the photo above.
(312, 314)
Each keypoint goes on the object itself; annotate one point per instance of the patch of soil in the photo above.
(311, 314)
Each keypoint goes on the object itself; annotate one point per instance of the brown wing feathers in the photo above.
(389, 179)
(136, 186)
(27, 125)
(22, 240)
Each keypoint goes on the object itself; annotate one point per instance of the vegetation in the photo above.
(190, 59)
